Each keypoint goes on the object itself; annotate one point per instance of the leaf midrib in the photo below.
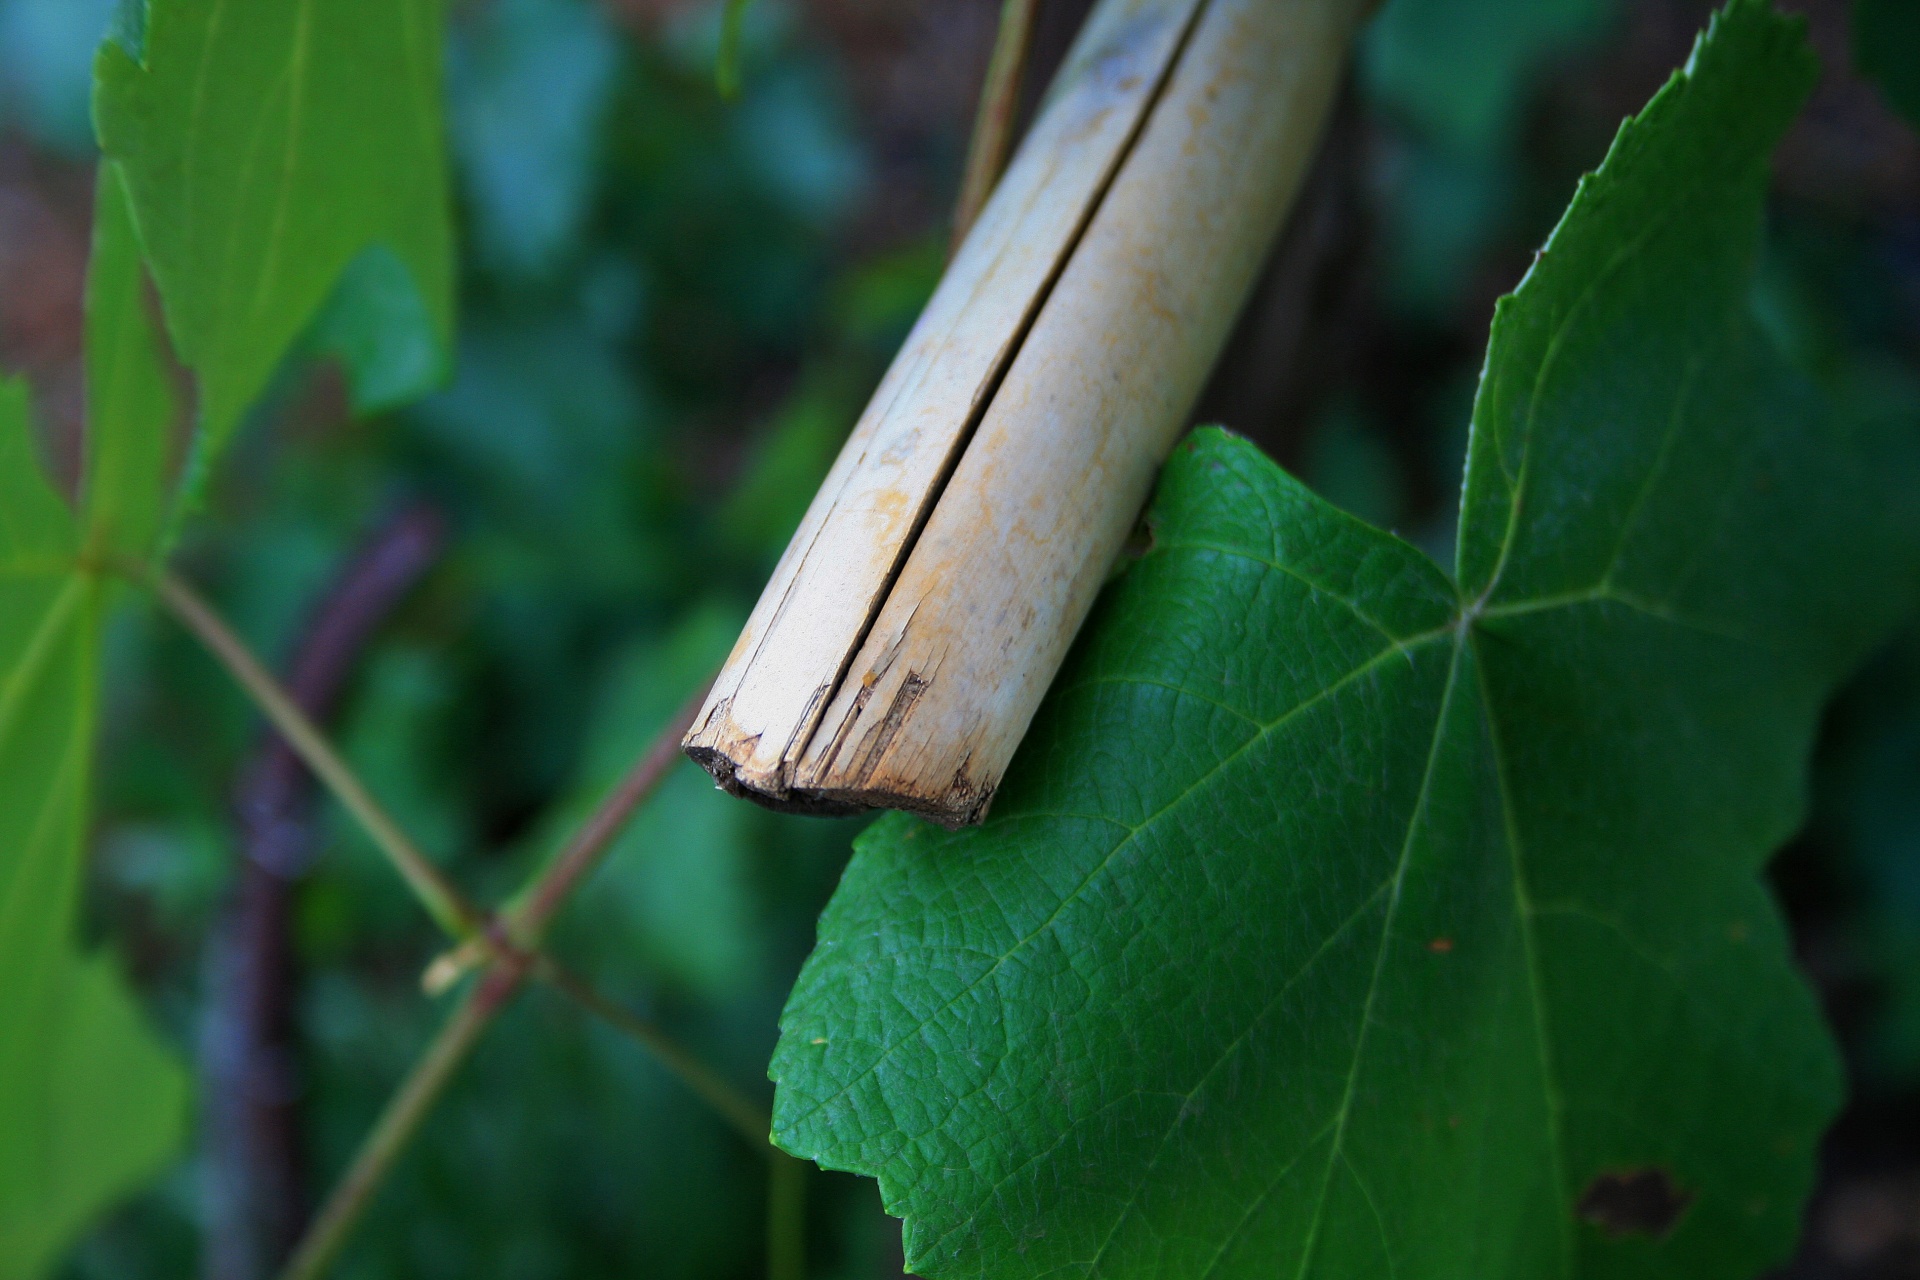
(1462, 628)
(1523, 915)
(38, 652)
(1373, 985)
(1465, 624)
(1366, 1014)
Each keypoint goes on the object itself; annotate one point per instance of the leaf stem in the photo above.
(740, 1113)
(404, 1114)
(507, 948)
(786, 1176)
(257, 1208)
(786, 1217)
(451, 909)
(993, 123)
(424, 1085)
(536, 906)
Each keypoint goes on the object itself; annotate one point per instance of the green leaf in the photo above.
(1337, 920)
(131, 400)
(90, 1103)
(266, 146)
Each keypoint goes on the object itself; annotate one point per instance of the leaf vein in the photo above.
(1414, 815)
(1524, 913)
(1106, 860)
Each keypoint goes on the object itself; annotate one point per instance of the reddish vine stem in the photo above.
(489, 939)
(256, 1206)
(993, 123)
(528, 919)
(508, 968)
(444, 901)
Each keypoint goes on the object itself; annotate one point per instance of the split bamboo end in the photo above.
(947, 562)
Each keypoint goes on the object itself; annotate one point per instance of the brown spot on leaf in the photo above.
(1440, 946)
(1634, 1202)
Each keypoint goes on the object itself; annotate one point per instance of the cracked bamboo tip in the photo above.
(943, 569)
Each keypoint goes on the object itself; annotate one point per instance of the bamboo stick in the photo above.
(935, 584)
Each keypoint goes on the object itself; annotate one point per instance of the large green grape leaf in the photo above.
(1343, 919)
(269, 146)
(90, 1103)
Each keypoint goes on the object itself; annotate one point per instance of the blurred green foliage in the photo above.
(1886, 43)
(1454, 79)
(654, 301)
(667, 322)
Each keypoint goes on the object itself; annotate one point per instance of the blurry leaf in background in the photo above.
(1886, 49)
(265, 147)
(1456, 75)
(1459, 70)
(378, 327)
(400, 731)
(792, 129)
(1351, 466)
(1431, 941)
(701, 34)
(46, 58)
(789, 125)
(544, 424)
(675, 892)
(1440, 211)
(529, 82)
(731, 261)
(180, 869)
(787, 466)
(562, 1151)
(90, 1103)
(878, 302)
(131, 401)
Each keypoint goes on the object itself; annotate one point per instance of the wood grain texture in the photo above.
(935, 584)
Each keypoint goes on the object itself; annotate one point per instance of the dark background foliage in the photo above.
(672, 309)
